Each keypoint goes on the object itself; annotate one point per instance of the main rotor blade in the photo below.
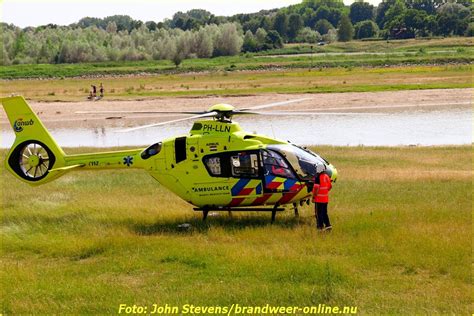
(164, 123)
(396, 106)
(142, 112)
(290, 113)
(269, 105)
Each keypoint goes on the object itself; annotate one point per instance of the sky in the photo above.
(40, 12)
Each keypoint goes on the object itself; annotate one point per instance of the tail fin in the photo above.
(34, 152)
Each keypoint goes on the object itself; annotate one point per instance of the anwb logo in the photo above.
(19, 124)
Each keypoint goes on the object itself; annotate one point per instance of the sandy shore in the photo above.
(62, 114)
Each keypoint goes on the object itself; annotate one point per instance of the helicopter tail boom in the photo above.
(36, 158)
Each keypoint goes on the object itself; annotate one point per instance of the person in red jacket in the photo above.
(321, 188)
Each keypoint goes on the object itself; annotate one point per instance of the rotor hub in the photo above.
(224, 116)
(221, 107)
(34, 160)
(223, 112)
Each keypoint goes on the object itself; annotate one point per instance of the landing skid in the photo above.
(205, 210)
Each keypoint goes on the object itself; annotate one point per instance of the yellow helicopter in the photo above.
(217, 166)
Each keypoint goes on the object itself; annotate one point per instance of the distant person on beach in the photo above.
(101, 90)
(94, 91)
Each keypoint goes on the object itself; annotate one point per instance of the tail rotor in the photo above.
(31, 160)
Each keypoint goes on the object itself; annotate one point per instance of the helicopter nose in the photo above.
(333, 172)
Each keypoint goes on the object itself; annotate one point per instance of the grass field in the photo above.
(91, 241)
(403, 52)
(357, 79)
(419, 45)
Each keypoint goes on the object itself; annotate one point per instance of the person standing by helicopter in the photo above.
(321, 188)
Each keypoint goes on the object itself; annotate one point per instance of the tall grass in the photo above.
(91, 241)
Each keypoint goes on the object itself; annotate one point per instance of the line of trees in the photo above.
(199, 33)
(393, 19)
(92, 44)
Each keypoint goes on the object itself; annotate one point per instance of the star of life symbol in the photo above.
(128, 161)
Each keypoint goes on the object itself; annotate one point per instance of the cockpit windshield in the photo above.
(303, 161)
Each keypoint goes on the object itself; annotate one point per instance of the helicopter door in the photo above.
(278, 176)
(241, 170)
(245, 167)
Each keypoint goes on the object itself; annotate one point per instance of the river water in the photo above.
(424, 127)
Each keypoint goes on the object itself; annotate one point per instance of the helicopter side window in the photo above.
(275, 165)
(214, 165)
(244, 165)
(151, 151)
(217, 165)
(233, 164)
